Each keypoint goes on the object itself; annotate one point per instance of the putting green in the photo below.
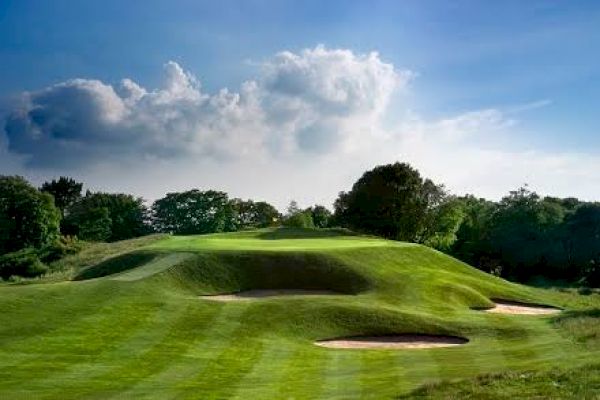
(140, 330)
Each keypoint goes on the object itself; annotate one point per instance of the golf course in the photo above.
(296, 314)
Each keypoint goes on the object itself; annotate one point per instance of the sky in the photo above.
(281, 100)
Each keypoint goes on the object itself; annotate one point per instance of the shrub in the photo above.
(301, 219)
(60, 248)
(25, 263)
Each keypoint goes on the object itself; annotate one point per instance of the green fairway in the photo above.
(132, 324)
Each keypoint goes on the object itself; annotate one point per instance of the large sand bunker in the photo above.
(259, 294)
(393, 342)
(514, 307)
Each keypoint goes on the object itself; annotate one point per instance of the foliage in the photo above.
(392, 201)
(61, 247)
(194, 212)
(444, 220)
(252, 214)
(524, 236)
(95, 224)
(65, 191)
(24, 262)
(108, 216)
(472, 237)
(320, 216)
(28, 218)
(297, 218)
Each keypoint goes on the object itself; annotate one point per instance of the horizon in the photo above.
(264, 100)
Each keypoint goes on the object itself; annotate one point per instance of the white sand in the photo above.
(392, 342)
(512, 307)
(259, 294)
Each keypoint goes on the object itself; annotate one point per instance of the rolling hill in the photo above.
(132, 320)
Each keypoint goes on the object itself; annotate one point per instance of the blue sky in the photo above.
(536, 62)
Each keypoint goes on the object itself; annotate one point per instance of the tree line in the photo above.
(520, 237)
(39, 225)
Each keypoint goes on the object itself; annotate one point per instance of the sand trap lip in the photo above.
(515, 307)
(267, 293)
(412, 341)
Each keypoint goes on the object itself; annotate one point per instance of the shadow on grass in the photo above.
(115, 265)
(231, 272)
(304, 233)
(562, 285)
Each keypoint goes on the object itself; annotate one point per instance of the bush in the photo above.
(25, 263)
(60, 248)
(591, 274)
(299, 220)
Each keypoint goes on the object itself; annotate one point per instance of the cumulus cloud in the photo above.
(273, 129)
(311, 101)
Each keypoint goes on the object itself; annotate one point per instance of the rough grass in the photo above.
(153, 337)
(95, 253)
(582, 383)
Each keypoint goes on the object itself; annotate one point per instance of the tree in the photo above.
(95, 225)
(472, 237)
(127, 216)
(252, 214)
(524, 233)
(582, 232)
(392, 201)
(444, 221)
(265, 214)
(297, 218)
(65, 191)
(194, 212)
(28, 217)
(320, 216)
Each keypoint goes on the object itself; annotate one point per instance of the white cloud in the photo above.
(311, 101)
(264, 140)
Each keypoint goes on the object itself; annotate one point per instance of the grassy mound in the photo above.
(114, 265)
(227, 272)
(141, 330)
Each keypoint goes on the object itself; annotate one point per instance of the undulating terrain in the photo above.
(129, 320)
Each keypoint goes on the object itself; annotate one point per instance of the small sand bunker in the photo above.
(259, 294)
(393, 342)
(513, 307)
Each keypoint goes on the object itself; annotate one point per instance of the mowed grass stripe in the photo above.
(206, 343)
(118, 377)
(228, 364)
(36, 310)
(268, 372)
(304, 373)
(78, 341)
(146, 334)
(341, 374)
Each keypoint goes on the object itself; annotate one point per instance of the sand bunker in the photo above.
(259, 294)
(393, 342)
(513, 307)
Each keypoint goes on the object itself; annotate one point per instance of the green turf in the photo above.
(138, 329)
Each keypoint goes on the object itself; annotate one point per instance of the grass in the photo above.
(576, 383)
(137, 328)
